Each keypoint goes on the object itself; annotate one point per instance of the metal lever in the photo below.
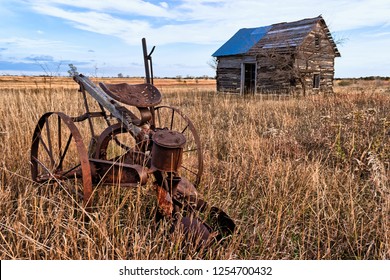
(148, 62)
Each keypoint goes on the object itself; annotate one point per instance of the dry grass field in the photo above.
(304, 178)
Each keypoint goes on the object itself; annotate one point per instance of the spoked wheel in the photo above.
(58, 153)
(167, 117)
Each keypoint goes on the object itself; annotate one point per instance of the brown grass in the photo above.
(304, 178)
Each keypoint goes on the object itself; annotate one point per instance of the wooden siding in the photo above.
(229, 72)
(274, 72)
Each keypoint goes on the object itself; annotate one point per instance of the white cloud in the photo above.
(204, 21)
(165, 5)
(25, 43)
(381, 34)
(132, 30)
(19, 48)
(128, 7)
(5, 11)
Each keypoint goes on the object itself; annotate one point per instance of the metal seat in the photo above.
(141, 95)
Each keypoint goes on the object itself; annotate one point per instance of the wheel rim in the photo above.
(167, 117)
(58, 153)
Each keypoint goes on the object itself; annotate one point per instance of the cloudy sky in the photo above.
(103, 38)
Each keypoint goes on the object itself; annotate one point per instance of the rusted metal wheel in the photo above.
(58, 153)
(167, 117)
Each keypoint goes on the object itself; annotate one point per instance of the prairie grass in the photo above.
(304, 178)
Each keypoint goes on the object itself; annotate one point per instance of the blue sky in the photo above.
(103, 38)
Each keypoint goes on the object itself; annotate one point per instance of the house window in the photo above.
(293, 81)
(317, 41)
(316, 81)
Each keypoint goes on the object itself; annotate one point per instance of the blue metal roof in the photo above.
(242, 41)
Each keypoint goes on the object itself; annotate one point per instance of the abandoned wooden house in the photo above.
(280, 58)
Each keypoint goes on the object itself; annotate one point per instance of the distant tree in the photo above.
(96, 69)
(49, 72)
(213, 63)
(72, 70)
(120, 75)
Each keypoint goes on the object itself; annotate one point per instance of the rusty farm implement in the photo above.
(164, 145)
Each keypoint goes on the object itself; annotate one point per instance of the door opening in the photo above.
(249, 78)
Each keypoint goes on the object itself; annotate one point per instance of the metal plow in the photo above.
(164, 146)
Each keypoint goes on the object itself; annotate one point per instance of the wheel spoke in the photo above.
(191, 150)
(185, 128)
(46, 148)
(62, 156)
(59, 137)
(70, 170)
(189, 170)
(52, 161)
(173, 115)
(44, 167)
(159, 117)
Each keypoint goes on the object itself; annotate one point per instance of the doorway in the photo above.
(249, 78)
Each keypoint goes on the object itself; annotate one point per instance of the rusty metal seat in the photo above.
(140, 95)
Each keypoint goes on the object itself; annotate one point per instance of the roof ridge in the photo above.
(305, 19)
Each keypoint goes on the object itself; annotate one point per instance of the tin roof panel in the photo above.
(242, 41)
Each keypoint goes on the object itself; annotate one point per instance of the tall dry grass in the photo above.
(304, 178)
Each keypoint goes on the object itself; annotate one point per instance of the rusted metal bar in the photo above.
(148, 62)
(89, 115)
(127, 175)
(88, 112)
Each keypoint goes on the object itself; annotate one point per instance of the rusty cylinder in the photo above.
(167, 150)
